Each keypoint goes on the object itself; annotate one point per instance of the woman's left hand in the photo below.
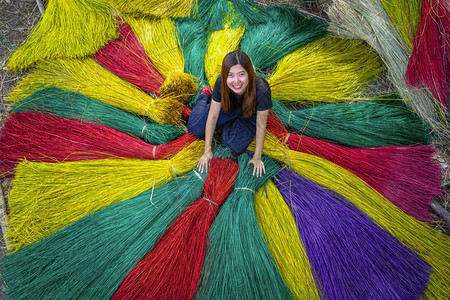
(258, 166)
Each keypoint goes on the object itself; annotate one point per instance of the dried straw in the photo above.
(68, 29)
(76, 106)
(49, 196)
(281, 235)
(327, 70)
(126, 58)
(193, 37)
(368, 20)
(91, 79)
(238, 263)
(221, 42)
(90, 258)
(155, 8)
(160, 41)
(408, 175)
(405, 16)
(351, 256)
(430, 244)
(172, 269)
(282, 31)
(372, 123)
(48, 138)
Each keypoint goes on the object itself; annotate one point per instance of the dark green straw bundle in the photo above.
(193, 37)
(89, 258)
(283, 31)
(373, 123)
(74, 105)
(238, 263)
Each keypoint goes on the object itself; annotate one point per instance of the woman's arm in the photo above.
(213, 115)
(261, 123)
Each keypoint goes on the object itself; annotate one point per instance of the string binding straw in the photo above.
(246, 189)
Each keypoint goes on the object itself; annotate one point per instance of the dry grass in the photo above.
(18, 18)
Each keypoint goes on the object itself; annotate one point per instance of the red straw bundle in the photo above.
(126, 58)
(49, 138)
(172, 269)
(407, 175)
(430, 58)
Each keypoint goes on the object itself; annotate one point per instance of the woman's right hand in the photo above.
(203, 163)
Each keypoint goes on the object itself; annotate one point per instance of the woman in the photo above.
(240, 105)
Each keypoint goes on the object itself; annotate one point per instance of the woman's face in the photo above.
(237, 79)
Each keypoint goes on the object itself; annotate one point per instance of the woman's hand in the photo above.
(203, 163)
(258, 166)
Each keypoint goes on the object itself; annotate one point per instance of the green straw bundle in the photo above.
(90, 258)
(74, 105)
(193, 36)
(283, 31)
(374, 123)
(238, 263)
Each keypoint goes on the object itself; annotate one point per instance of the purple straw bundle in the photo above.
(351, 256)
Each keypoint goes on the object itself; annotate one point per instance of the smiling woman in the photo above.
(240, 105)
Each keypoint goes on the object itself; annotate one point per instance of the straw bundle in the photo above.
(250, 12)
(76, 106)
(126, 58)
(283, 31)
(173, 267)
(374, 123)
(193, 38)
(179, 86)
(68, 29)
(405, 16)
(431, 245)
(238, 263)
(327, 70)
(88, 77)
(367, 20)
(156, 8)
(351, 256)
(90, 258)
(48, 196)
(429, 60)
(218, 15)
(221, 42)
(42, 137)
(407, 175)
(281, 235)
(160, 41)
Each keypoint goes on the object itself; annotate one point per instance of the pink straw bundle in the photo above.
(430, 57)
(172, 269)
(50, 138)
(406, 175)
(126, 58)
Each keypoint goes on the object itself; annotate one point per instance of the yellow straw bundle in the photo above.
(326, 70)
(49, 196)
(432, 246)
(90, 78)
(68, 29)
(405, 15)
(283, 240)
(179, 86)
(221, 42)
(157, 8)
(160, 41)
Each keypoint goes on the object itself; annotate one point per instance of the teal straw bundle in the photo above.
(74, 105)
(374, 123)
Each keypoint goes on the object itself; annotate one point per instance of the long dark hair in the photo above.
(249, 101)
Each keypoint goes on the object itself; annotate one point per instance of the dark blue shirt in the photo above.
(263, 96)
